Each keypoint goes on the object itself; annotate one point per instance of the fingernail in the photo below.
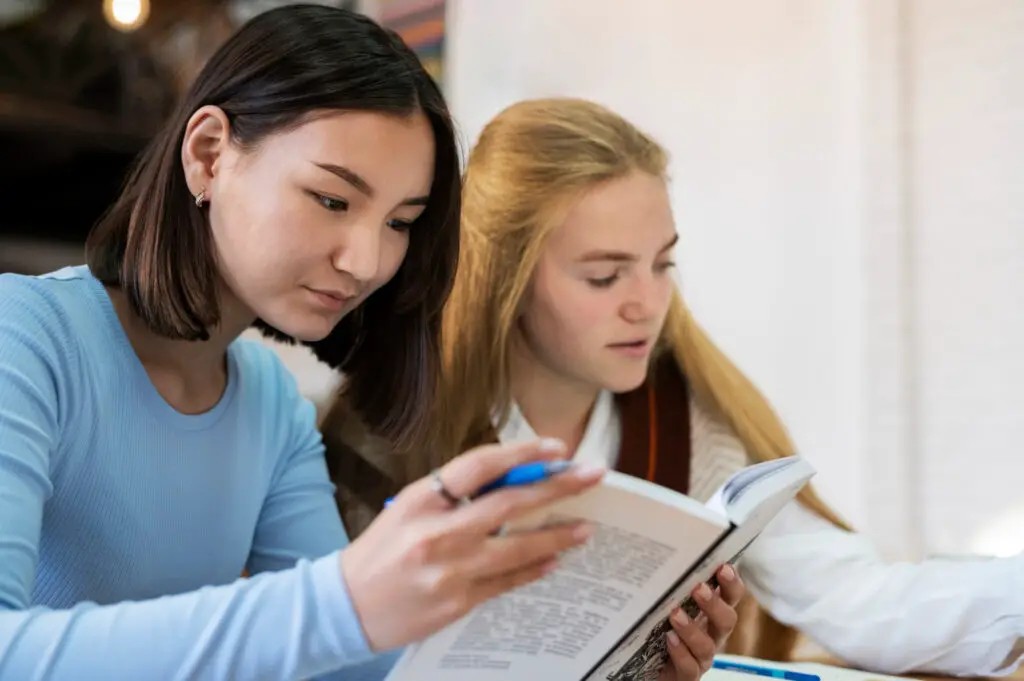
(680, 617)
(673, 639)
(728, 573)
(583, 532)
(704, 592)
(550, 566)
(551, 444)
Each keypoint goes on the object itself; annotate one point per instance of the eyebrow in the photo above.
(362, 186)
(622, 256)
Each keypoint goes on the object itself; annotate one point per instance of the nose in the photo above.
(357, 252)
(641, 301)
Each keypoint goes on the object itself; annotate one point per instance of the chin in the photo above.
(305, 328)
(625, 381)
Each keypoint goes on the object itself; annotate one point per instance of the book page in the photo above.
(641, 656)
(761, 485)
(751, 476)
(561, 626)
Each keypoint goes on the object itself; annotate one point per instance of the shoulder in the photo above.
(44, 299)
(272, 394)
(716, 452)
(291, 368)
(264, 374)
(283, 422)
(43, 328)
(49, 313)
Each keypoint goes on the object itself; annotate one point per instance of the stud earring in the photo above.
(200, 196)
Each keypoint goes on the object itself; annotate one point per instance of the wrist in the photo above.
(337, 614)
(358, 596)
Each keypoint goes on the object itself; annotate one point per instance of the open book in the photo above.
(603, 613)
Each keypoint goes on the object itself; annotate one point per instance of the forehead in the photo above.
(631, 214)
(395, 152)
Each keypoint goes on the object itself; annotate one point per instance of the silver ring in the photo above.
(439, 487)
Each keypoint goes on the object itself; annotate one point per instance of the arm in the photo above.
(960, 618)
(300, 518)
(235, 631)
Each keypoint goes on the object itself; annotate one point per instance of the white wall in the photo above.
(967, 151)
(829, 159)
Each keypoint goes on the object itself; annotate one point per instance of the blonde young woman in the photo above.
(565, 322)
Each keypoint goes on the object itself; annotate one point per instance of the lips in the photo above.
(332, 300)
(638, 350)
(333, 295)
(630, 344)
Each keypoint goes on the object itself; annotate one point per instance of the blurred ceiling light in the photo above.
(126, 15)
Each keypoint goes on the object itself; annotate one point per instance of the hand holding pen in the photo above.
(524, 474)
(431, 556)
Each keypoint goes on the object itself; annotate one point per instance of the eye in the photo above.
(330, 203)
(663, 266)
(604, 282)
(400, 225)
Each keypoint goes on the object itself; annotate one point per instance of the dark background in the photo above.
(78, 100)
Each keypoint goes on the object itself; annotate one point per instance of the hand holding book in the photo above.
(693, 639)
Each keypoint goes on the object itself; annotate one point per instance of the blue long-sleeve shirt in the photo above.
(125, 524)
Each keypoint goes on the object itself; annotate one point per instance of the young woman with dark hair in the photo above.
(308, 183)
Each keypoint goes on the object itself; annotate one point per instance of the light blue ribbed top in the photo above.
(125, 524)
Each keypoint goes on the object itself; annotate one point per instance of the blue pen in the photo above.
(525, 474)
(763, 671)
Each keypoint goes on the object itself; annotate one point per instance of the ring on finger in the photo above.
(439, 487)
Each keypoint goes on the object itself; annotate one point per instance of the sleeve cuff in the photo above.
(337, 615)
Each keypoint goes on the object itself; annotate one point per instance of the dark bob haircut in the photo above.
(272, 75)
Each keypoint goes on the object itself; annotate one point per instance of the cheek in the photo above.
(239, 194)
(394, 246)
(567, 323)
(257, 257)
(251, 220)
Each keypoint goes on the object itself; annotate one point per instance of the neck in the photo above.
(190, 375)
(552, 404)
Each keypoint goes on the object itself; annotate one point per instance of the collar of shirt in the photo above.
(601, 438)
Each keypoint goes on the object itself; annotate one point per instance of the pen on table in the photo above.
(525, 474)
(725, 665)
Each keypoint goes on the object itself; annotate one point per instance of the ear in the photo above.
(207, 138)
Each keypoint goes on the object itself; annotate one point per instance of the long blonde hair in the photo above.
(530, 165)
